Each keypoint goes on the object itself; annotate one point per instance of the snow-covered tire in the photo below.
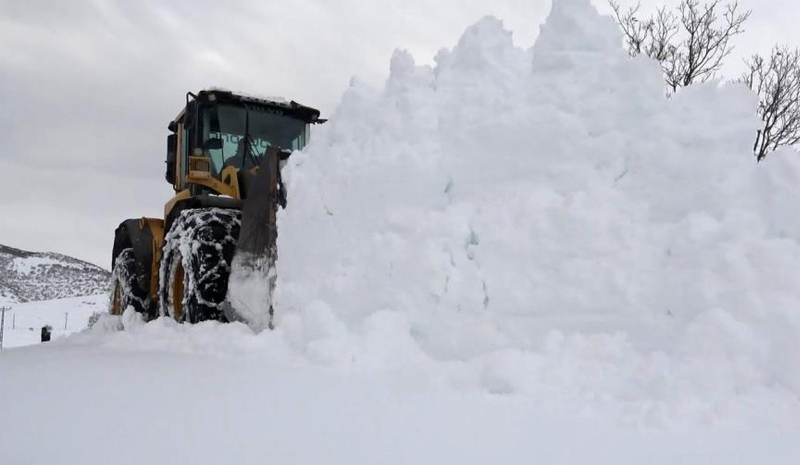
(125, 289)
(196, 264)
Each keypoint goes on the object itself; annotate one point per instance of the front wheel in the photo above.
(196, 264)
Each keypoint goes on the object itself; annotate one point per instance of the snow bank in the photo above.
(550, 222)
(203, 404)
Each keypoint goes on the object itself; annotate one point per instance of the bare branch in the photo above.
(690, 43)
(776, 80)
(635, 31)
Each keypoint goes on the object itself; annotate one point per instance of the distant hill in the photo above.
(31, 276)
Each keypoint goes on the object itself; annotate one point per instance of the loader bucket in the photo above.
(252, 276)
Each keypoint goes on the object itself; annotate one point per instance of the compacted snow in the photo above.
(168, 394)
(526, 256)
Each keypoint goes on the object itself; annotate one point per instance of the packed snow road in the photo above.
(217, 394)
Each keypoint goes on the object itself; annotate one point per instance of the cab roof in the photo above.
(290, 108)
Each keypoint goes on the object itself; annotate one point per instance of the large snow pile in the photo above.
(546, 222)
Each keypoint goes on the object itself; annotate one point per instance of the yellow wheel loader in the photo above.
(223, 160)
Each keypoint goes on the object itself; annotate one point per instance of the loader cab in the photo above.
(219, 129)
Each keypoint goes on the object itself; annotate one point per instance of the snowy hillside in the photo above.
(33, 276)
(515, 256)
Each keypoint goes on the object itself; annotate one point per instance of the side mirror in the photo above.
(214, 143)
(172, 151)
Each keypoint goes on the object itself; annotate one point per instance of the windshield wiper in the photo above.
(248, 141)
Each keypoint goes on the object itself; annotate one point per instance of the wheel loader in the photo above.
(224, 154)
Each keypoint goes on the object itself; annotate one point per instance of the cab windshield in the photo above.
(244, 134)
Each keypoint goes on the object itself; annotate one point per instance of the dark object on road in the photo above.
(46, 331)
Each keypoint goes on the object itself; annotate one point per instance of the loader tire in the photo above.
(196, 263)
(125, 289)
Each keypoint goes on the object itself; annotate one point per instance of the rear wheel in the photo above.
(197, 255)
(125, 289)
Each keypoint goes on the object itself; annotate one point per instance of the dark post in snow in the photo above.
(66, 318)
(2, 325)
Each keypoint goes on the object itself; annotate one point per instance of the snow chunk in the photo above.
(575, 26)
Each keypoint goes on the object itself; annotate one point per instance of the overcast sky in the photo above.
(87, 87)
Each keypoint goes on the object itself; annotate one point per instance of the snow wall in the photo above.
(548, 221)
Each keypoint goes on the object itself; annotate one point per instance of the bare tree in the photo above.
(776, 80)
(690, 43)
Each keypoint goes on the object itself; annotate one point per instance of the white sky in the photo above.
(87, 87)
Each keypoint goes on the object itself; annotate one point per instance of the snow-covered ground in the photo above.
(6, 300)
(213, 393)
(515, 256)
